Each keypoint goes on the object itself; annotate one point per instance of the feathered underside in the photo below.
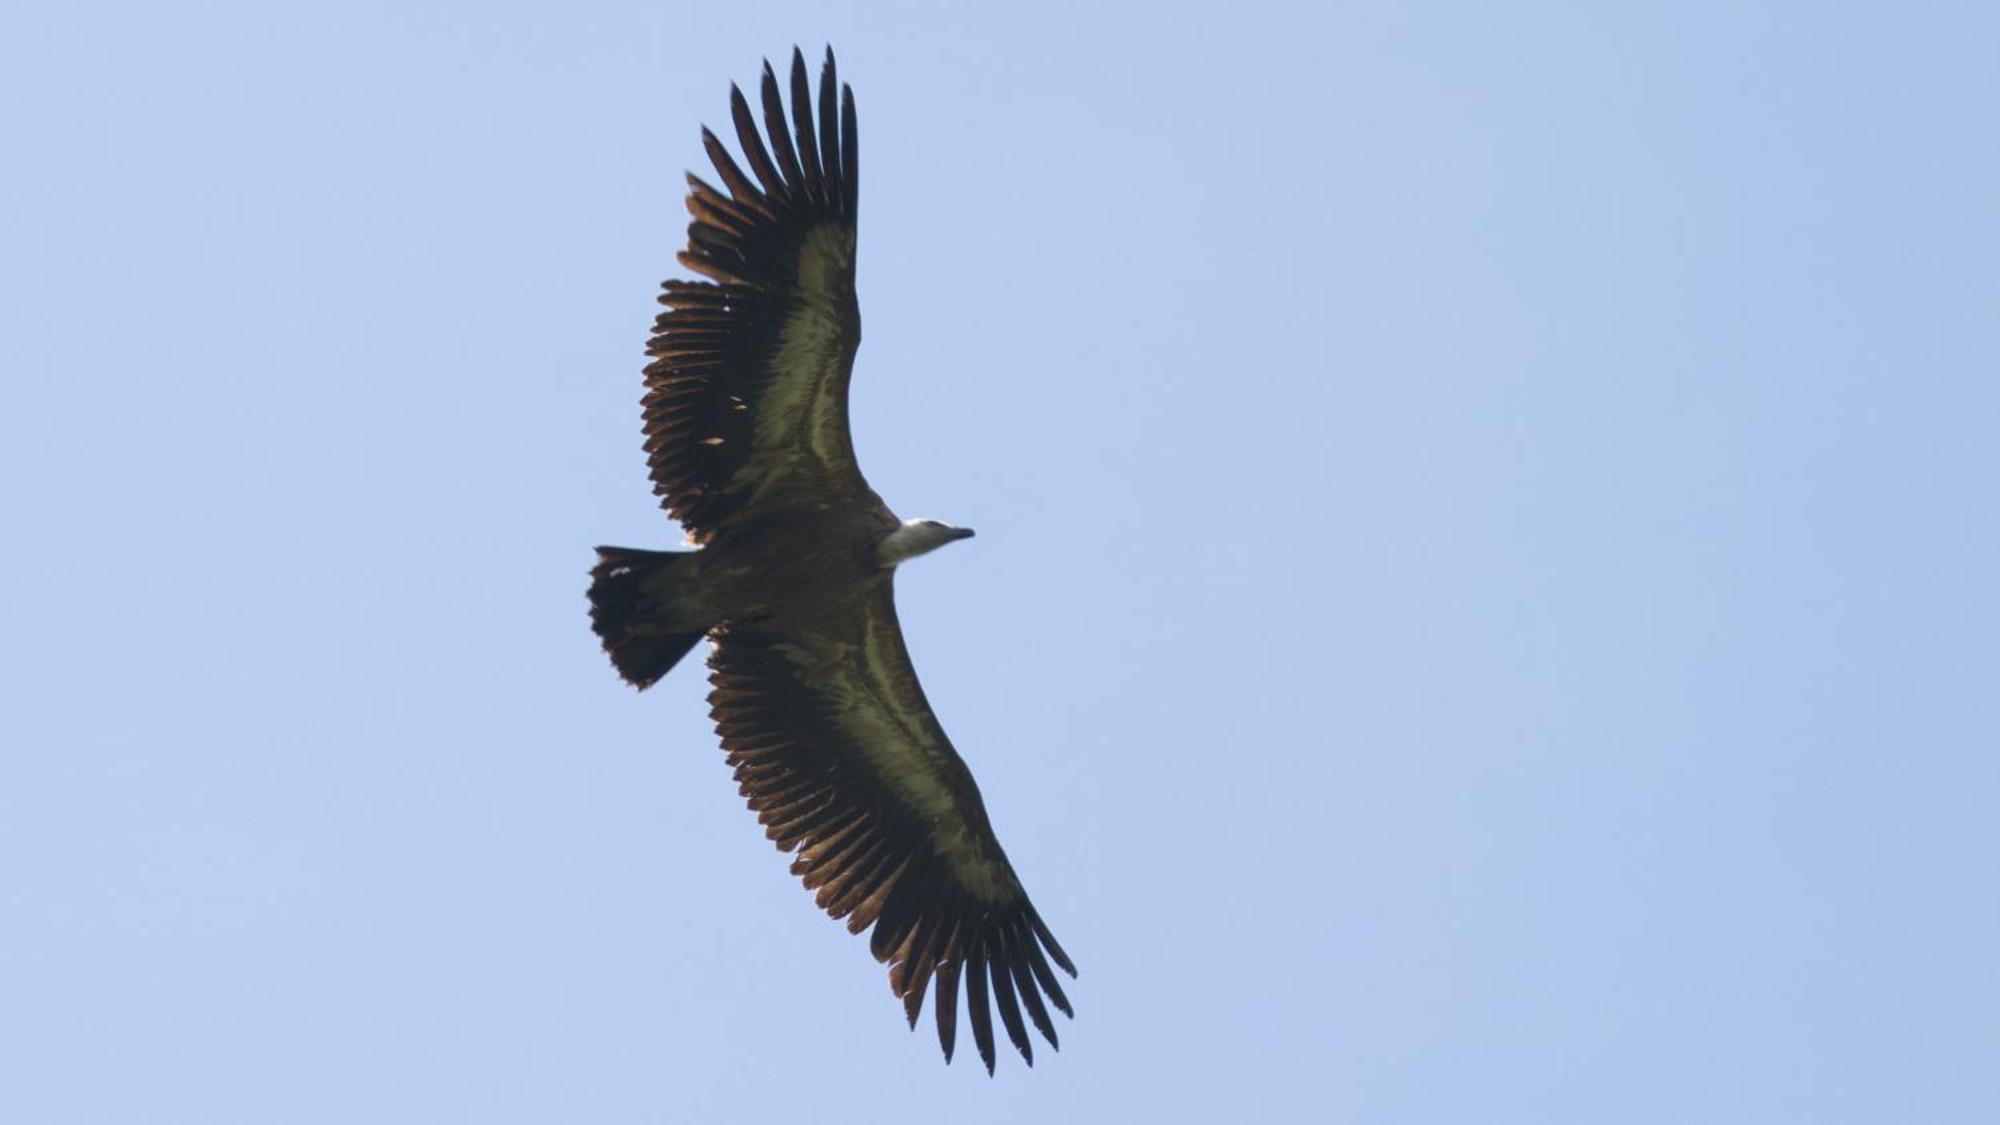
(819, 711)
(844, 763)
(746, 397)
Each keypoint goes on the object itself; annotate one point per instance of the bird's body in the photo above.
(785, 566)
(814, 695)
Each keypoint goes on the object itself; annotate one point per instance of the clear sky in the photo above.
(1484, 608)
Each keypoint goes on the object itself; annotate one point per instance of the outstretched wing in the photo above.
(844, 762)
(746, 397)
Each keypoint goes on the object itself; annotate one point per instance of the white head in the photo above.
(917, 537)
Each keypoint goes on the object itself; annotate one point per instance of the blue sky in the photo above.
(1484, 607)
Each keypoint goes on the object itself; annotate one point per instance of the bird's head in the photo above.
(917, 537)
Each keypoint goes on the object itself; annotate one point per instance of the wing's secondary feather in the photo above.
(746, 397)
(842, 759)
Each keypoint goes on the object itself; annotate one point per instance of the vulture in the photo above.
(792, 579)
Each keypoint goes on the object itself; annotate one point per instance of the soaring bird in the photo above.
(792, 581)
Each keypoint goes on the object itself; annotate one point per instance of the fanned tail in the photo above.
(632, 608)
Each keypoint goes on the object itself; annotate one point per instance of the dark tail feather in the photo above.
(631, 594)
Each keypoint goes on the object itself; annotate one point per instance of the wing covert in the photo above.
(746, 395)
(842, 759)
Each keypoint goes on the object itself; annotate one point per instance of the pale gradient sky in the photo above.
(1484, 608)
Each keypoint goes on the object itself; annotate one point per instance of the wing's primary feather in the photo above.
(746, 397)
(839, 754)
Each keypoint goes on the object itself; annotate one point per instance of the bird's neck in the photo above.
(906, 543)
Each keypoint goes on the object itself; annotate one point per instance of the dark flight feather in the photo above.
(878, 811)
(778, 253)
